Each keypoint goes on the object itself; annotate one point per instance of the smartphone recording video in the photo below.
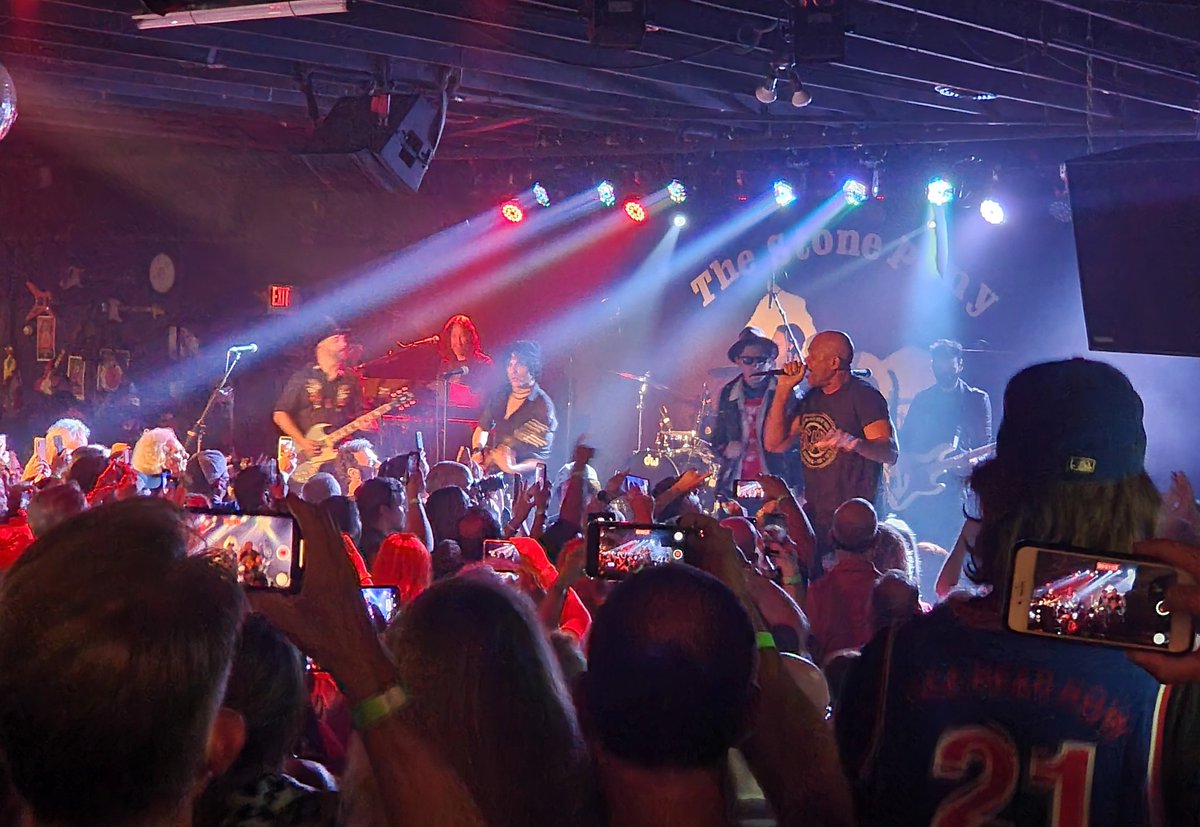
(1096, 598)
(501, 550)
(539, 474)
(638, 482)
(750, 490)
(618, 550)
(383, 599)
(265, 549)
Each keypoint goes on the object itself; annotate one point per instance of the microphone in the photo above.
(250, 348)
(462, 370)
(861, 373)
(428, 340)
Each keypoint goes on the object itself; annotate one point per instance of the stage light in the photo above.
(677, 191)
(784, 193)
(540, 195)
(679, 220)
(801, 97)
(635, 211)
(607, 194)
(940, 192)
(766, 91)
(991, 211)
(855, 192)
(512, 212)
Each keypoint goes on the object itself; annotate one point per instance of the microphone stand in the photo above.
(773, 301)
(196, 432)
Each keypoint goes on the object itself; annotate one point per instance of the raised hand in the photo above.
(793, 375)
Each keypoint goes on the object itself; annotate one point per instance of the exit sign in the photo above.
(281, 296)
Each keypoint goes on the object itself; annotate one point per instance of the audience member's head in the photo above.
(477, 525)
(404, 562)
(87, 464)
(54, 505)
(320, 487)
(344, 513)
(447, 559)
(894, 600)
(356, 463)
(252, 488)
(444, 508)
(381, 504)
(207, 474)
(670, 670)
(446, 474)
(1069, 467)
(689, 503)
(484, 686)
(158, 450)
(745, 537)
(837, 667)
(896, 548)
(109, 708)
(71, 433)
(855, 526)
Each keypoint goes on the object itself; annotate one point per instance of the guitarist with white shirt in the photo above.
(948, 425)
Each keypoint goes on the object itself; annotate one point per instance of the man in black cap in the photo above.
(741, 410)
(323, 393)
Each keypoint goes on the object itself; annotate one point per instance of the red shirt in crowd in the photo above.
(839, 606)
(15, 537)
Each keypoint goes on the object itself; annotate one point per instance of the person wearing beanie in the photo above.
(741, 411)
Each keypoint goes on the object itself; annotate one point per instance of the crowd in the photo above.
(771, 678)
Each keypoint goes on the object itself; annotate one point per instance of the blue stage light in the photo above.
(940, 192)
(784, 193)
(855, 192)
(607, 193)
(991, 211)
(540, 195)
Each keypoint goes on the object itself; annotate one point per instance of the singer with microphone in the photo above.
(841, 425)
(516, 429)
(459, 347)
(324, 393)
(741, 411)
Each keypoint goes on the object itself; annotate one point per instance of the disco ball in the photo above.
(8, 102)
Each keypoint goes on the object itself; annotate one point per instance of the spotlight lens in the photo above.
(855, 192)
(940, 192)
(512, 212)
(540, 195)
(991, 211)
(607, 193)
(784, 193)
(677, 191)
(679, 220)
(635, 211)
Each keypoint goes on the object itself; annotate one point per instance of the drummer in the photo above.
(741, 408)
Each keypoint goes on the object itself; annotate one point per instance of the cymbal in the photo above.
(639, 379)
(725, 372)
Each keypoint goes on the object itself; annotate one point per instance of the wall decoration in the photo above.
(52, 378)
(41, 302)
(77, 376)
(73, 278)
(110, 373)
(47, 325)
(10, 382)
(113, 308)
(162, 273)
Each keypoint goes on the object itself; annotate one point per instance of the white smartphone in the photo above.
(1096, 597)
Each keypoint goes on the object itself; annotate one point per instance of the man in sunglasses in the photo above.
(741, 410)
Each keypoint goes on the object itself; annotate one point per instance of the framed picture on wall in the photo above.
(77, 376)
(46, 328)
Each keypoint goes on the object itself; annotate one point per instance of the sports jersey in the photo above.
(982, 726)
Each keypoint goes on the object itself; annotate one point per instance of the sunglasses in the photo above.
(754, 360)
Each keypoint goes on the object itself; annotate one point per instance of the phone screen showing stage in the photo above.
(1100, 599)
(623, 550)
(261, 546)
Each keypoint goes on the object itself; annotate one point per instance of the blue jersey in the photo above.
(983, 727)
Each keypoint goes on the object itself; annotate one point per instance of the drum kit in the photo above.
(672, 451)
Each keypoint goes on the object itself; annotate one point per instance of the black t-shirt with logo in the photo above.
(311, 399)
(832, 476)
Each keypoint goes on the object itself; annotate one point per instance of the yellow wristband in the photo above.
(765, 640)
(374, 709)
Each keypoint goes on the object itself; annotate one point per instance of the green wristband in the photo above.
(374, 709)
(765, 640)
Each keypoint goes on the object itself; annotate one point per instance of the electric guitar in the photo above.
(919, 475)
(400, 398)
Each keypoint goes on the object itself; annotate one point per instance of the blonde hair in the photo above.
(152, 449)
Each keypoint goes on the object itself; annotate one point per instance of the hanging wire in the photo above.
(1091, 86)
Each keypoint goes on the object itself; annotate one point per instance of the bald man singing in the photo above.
(842, 423)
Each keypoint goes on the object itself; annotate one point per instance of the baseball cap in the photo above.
(1075, 420)
(212, 465)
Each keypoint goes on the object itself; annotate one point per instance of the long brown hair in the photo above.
(463, 321)
(1109, 516)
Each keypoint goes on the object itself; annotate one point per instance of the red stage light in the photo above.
(513, 212)
(635, 211)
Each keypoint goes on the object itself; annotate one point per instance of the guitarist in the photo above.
(949, 412)
(516, 428)
(323, 393)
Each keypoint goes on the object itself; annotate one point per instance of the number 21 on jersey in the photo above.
(1066, 775)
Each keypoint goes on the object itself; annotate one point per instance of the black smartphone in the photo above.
(539, 474)
(58, 444)
(1096, 597)
(384, 599)
(638, 482)
(617, 550)
(266, 549)
(749, 490)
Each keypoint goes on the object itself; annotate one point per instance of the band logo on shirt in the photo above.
(813, 428)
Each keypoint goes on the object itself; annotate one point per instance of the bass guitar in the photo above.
(921, 474)
(328, 441)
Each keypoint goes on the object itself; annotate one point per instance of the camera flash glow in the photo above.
(1159, 638)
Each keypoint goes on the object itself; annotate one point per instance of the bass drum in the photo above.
(653, 465)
